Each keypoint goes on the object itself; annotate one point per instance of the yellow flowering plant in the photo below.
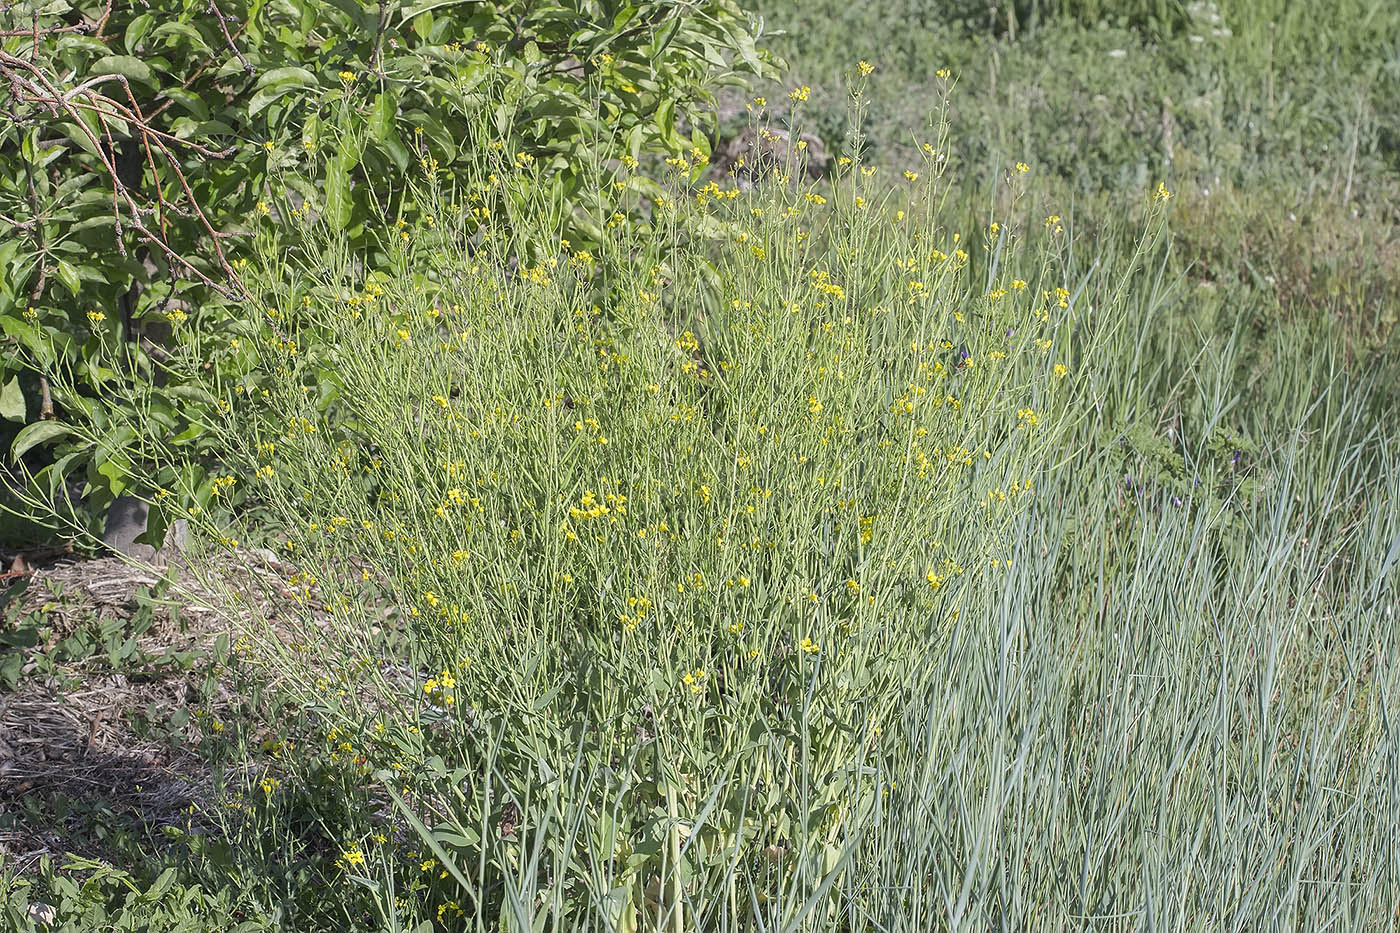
(551, 489)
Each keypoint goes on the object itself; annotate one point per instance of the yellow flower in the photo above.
(352, 857)
(865, 68)
(1162, 193)
(1022, 167)
(809, 646)
(799, 93)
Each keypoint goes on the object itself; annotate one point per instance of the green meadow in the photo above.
(939, 470)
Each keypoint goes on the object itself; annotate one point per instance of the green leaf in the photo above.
(428, 838)
(137, 30)
(189, 100)
(161, 885)
(12, 406)
(40, 432)
(270, 92)
(666, 125)
(381, 117)
(290, 72)
(393, 147)
(128, 66)
(365, 19)
(29, 338)
(184, 31)
(664, 35)
(437, 134)
(68, 276)
(413, 11)
(310, 130)
(115, 471)
(338, 203)
(85, 43)
(75, 132)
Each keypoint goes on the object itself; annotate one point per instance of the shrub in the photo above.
(140, 144)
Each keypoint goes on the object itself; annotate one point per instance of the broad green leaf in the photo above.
(170, 31)
(29, 338)
(433, 129)
(278, 83)
(367, 20)
(414, 11)
(75, 132)
(381, 117)
(666, 124)
(290, 72)
(137, 30)
(128, 66)
(68, 276)
(12, 406)
(189, 100)
(310, 131)
(116, 471)
(664, 35)
(393, 147)
(160, 886)
(84, 43)
(40, 432)
(338, 203)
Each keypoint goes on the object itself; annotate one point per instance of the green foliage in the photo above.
(85, 895)
(1154, 687)
(140, 145)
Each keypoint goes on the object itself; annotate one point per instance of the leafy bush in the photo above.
(140, 144)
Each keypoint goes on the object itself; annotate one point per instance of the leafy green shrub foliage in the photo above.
(140, 144)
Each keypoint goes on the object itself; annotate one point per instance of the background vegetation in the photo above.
(142, 146)
(1001, 530)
